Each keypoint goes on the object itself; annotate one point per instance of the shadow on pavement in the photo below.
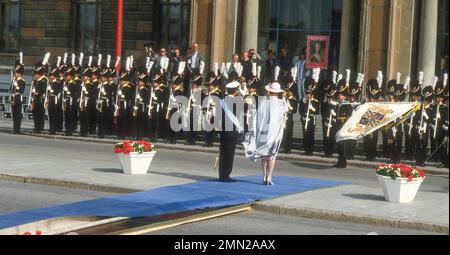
(183, 175)
(108, 170)
(317, 166)
(365, 197)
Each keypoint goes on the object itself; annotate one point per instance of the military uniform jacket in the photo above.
(41, 87)
(124, 96)
(160, 98)
(143, 99)
(436, 118)
(312, 111)
(111, 92)
(18, 90)
(343, 113)
(54, 91)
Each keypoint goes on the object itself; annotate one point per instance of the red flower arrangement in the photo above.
(134, 146)
(28, 233)
(400, 171)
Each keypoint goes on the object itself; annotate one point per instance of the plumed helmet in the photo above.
(373, 89)
(427, 93)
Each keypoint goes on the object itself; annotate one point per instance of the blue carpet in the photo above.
(172, 199)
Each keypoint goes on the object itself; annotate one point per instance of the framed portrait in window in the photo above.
(317, 52)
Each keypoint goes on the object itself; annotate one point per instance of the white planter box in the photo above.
(135, 163)
(399, 190)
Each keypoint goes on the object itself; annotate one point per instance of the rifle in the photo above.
(46, 95)
(136, 101)
(63, 97)
(438, 116)
(30, 103)
(307, 114)
(83, 88)
(100, 97)
(116, 112)
(150, 107)
(169, 107)
(411, 123)
(421, 126)
(330, 122)
(12, 91)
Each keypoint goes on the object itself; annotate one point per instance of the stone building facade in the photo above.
(393, 36)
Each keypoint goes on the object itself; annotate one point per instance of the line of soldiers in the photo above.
(337, 98)
(139, 103)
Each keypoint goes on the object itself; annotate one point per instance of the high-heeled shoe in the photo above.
(270, 183)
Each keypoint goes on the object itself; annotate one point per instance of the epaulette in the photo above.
(42, 77)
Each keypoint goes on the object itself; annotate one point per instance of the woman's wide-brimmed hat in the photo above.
(274, 87)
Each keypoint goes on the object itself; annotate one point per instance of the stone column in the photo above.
(218, 31)
(250, 24)
(427, 40)
(349, 36)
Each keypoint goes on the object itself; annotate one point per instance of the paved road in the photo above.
(93, 162)
(259, 223)
(19, 196)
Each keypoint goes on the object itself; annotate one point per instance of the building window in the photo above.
(9, 25)
(442, 54)
(174, 24)
(285, 24)
(87, 24)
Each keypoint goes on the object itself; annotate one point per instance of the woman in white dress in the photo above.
(263, 141)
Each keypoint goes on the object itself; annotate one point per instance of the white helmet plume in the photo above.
(380, 78)
(276, 73)
(108, 61)
(99, 61)
(80, 61)
(335, 74)
(46, 58)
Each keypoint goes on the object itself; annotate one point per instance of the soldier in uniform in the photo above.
(173, 105)
(59, 108)
(110, 127)
(292, 103)
(228, 138)
(92, 102)
(343, 112)
(39, 90)
(159, 97)
(70, 95)
(214, 90)
(251, 95)
(354, 96)
(52, 98)
(16, 96)
(397, 93)
(195, 108)
(373, 95)
(103, 101)
(87, 93)
(443, 152)
(141, 104)
(123, 104)
(423, 125)
(439, 122)
(309, 107)
(328, 111)
(77, 67)
(411, 125)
